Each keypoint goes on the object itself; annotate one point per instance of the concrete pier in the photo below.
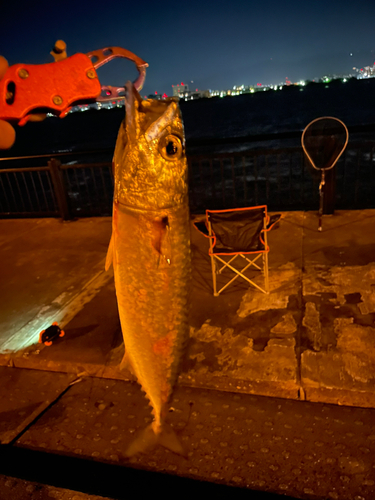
(307, 348)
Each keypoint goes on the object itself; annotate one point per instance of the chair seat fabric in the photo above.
(237, 231)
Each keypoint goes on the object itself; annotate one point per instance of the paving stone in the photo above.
(306, 450)
(24, 394)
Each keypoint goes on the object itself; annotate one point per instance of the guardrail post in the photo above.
(59, 188)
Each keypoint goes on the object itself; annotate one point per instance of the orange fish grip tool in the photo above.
(28, 89)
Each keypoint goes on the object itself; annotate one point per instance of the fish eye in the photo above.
(170, 147)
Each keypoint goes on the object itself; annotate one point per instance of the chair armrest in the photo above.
(273, 219)
(202, 228)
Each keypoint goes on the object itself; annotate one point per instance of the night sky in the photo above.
(214, 44)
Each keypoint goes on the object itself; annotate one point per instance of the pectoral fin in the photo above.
(127, 366)
(161, 241)
(109, 258)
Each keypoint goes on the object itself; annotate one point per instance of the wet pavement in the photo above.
(276, 392)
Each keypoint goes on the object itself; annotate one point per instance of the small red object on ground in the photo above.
(50, 334)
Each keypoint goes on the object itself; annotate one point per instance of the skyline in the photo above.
(216, 44)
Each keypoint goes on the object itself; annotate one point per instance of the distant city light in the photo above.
(183, 92)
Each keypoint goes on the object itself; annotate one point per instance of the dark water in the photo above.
(279, 111)
(270, 112)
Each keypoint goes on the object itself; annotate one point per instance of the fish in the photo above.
(150, 253)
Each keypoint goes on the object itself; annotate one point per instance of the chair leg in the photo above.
(265, 268)
(239, 273)
(213, 267)
(213, 263)
(265, 257)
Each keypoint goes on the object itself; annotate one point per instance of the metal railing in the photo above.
(56, 189)
(279, 178)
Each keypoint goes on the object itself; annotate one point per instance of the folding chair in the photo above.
(238, 232)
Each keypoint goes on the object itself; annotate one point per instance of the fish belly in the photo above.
(153, 296)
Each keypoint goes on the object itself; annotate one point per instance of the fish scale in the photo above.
(150, 249)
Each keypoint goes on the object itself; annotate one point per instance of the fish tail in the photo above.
(150, 437)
